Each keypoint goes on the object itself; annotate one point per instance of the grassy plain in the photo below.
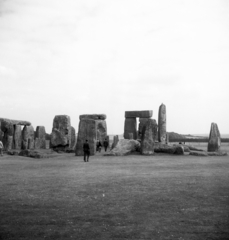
(131, 197)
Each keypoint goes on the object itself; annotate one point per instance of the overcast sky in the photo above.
(78, 57)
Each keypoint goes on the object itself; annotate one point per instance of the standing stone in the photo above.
(40, 137)
(167, 138)
(61, 131)
(17, 137)
(115, 141)
(162, 123)
(8, 130)
(214, 140)
(130, 126)
(87, 130)
(131, 136)
(147, 142)
(73, 138)
(142, 122)
(28, 137)
(101, 128)
(47, 144)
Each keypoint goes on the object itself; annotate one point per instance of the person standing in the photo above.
(98, 146)
(86, 150)
(105, 144)
(1, 148)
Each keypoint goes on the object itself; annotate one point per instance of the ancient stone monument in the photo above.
(162, 123)
(130, 125)
(40, 137)
(115, 141)
(91, 127)
(28, 137)
(11, 132)
(214, 140)
(147, 141)
(61, 132)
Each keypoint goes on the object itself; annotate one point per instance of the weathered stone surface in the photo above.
(7, 129)
(40, 134)
(130, 126)
(101, 130)
(93, 116)
(186, 148)
(219, 153)
(17, 137)
(28, 137)
(164, 148)
(115, 141)
(16, 122)
(179, 150)
(139, 114)
(73, 138)
(124, 147)
(131, 136)
(214, 140)
(199, 154)
(162, 123)
(61, 131)
(47, 144)
(87, 130)
(147, 141)
(39, 153)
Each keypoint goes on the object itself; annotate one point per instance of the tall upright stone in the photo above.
(115, 141)
(73, 137)
(147, 141)
(28, 137)
(87, 130)
(40, 136)
(61, 132)
(214, 140)
(130, 126)
(17, 137)
(8, 130)
(162, 123)
(101, 128)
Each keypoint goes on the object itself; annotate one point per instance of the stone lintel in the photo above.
(139, 114)
(93, 116)
(16, 122)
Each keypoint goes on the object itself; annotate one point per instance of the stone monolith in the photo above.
(61, 131)
(214, 140)
(40, 137)
(73, 137)
(101, 128)
(130, 126)
(162, 123)
(87, 130)
(28, 137)
(147, 141)
(17, 137)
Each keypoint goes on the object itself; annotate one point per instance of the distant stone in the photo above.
(73, 138)
(214, 140)
(93, 116)
(124, 147)
(115, 141)
(61, 131)
(28, 137)
(17, 137)
(139, 114)
(101, 130)
(130, 126)
(162, 123)
(87, 130)
(147, 141)
(41, 135)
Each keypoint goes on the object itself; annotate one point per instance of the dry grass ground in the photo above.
(132, 197)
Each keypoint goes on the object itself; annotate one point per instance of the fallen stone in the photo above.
(38, 153)
(214, 141)
(139, 114)
(217, 154)
(93, 116)
(197, 153)
(179, 150)
(164, 148)
(124, 147)
(162, 123)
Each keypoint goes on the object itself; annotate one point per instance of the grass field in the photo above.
(132, 197)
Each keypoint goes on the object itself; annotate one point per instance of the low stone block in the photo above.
(93, 116)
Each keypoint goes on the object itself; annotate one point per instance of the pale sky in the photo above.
(78, 57)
